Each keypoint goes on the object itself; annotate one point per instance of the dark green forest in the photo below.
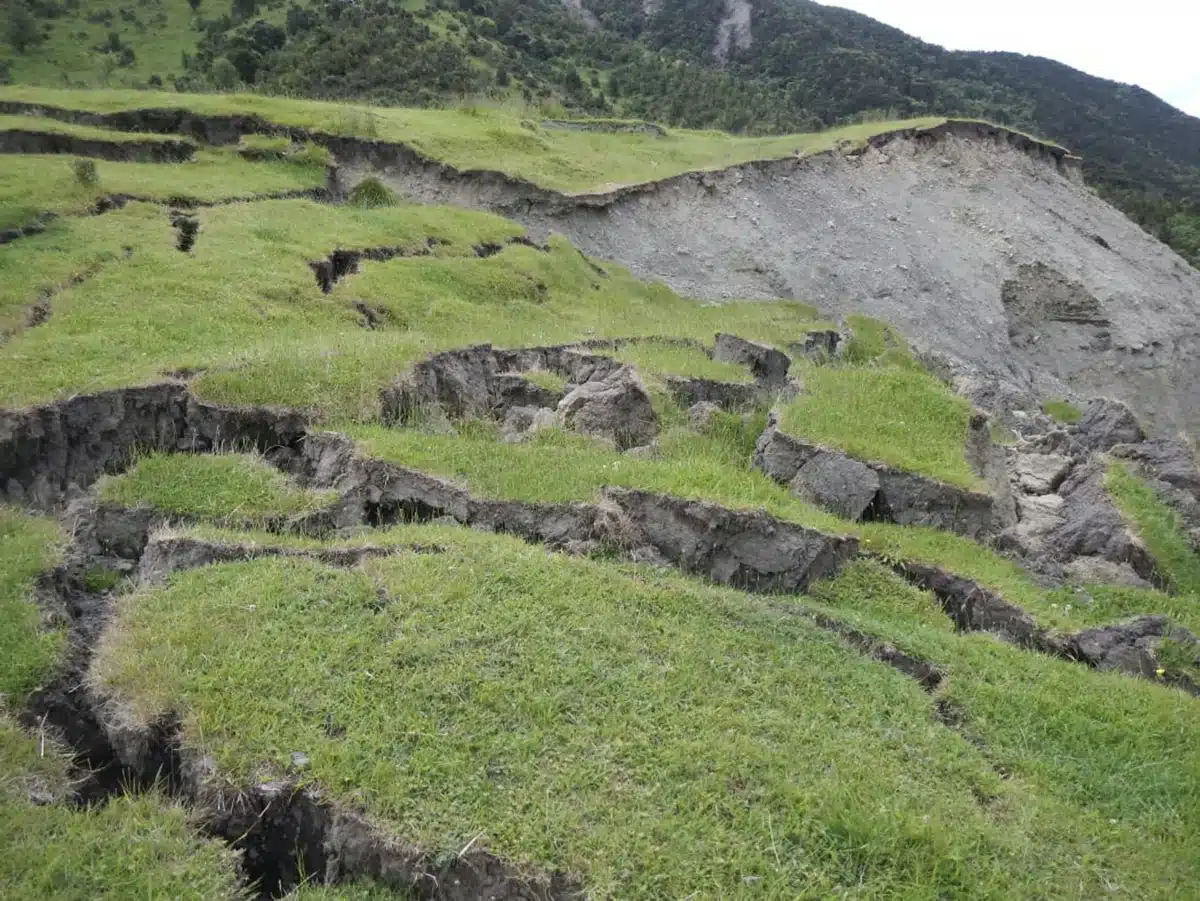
(807, 67)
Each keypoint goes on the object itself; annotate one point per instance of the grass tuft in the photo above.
(233, 487)
(370, 193)
(1159, 526)
(1063, 411)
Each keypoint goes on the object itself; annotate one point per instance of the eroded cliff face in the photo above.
(995, 259)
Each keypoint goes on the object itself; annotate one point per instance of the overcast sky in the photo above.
(1151, 43)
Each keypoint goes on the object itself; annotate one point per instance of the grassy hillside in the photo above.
(806, 66)
(640, 730)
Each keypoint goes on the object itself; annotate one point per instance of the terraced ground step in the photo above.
(14, 140)
(892, 495)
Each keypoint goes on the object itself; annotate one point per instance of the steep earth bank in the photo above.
(983, 247)
(1023, 282)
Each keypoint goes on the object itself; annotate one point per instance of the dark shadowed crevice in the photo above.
(340, 263)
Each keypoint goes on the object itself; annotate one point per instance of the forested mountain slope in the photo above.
(767, 66)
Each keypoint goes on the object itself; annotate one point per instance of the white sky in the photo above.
(1151, 43)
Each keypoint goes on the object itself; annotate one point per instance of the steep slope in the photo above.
(976, 244)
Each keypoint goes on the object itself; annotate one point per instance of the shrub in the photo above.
(85, 172)
(224, 75)
(371, 192)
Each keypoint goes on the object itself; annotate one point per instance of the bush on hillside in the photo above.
(371, 192)
(85, 172)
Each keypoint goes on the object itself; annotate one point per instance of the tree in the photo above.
(224, 75)
(23, 30)
(195, 5)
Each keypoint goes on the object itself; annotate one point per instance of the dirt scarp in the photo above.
(148, 151)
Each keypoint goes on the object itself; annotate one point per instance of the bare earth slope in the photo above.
(975, 250)
(988, 252)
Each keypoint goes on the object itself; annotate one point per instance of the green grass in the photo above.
(245, 306)
(483, 138)
(235, 487)
(32, 183)
(28, 653)
(897, 415)
(131, 847)
(1159, 526)
(661, 738)
(1062, 410)
(53, 126)
(656, 360)
(875, 341)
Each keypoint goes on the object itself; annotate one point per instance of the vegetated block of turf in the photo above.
(492, 139)
(875, 341)
(28, 545)
(1105, 764)
(247, 283)
(54, 126)
(556, 466)
(659, 359)
(32, 183)
(655, 736)
(892, 414)
(244, 304)
(130, 847)
(1158, 525)
(518, 298)
(232, 486)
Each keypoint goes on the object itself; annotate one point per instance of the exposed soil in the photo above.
(341, 263)
(188, 227)
(168, 151)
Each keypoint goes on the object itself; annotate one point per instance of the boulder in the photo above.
(839, 484)
(780, 456)
(1106, 423)
(731, 396)
(818, 346)
(1037, 517)
(700, 416)
(521, 422)
(745, 549)
(767, 364)
(1039, 473)
(615, 408)
(1098, 571)
(1092, 526)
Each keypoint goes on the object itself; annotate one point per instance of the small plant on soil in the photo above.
(370, 193)
(85, 172)
(1062, 411)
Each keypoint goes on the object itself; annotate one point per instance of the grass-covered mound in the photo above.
(244, 305)
(659, 737)
(235, 487)
(484, 138)
(131, 847)
(36, 183)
